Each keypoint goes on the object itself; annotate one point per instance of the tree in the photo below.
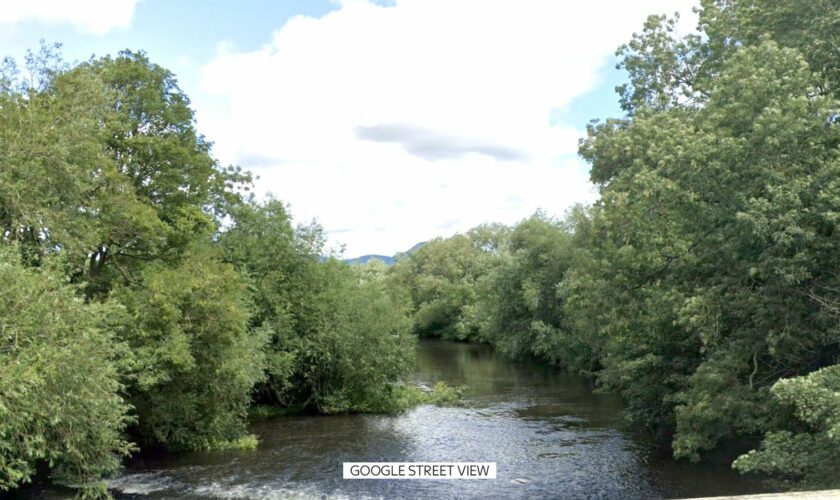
(177, 190)
(193, 358)
(812, 28)
(520, 294)
(112, 180)
(713, 231)
(358, 350)
(111, 211)
(280, 266)
(441, 277)
(336, 343)
(53, 166)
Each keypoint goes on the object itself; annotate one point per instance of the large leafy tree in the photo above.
(716, 225)
(105, 173)
(111, 208)
(177, 189)
(54, 170)
(280, 265)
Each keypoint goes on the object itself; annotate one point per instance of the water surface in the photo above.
(550, 436)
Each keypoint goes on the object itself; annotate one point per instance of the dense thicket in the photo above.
(441, 280)
(129, 313)
(703, 284)
(335, 341)
(519, 299)
(60, 395)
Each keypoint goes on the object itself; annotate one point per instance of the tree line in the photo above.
(704, 285)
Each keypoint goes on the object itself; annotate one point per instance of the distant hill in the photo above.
(364, 259)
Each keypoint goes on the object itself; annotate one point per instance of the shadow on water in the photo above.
(549, 434)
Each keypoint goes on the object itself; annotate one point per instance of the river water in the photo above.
(550, 436)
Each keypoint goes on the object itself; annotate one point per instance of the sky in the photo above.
(390, 122)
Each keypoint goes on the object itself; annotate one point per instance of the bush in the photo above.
(807, 452)
(60, 397)
(193, 359)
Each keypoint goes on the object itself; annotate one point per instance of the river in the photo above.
(549, 434)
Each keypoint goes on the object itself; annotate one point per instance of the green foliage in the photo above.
(809, 456)
(278, 262)
(702, 286)
(663, 69)
(49, 146)
(338, 341)
(152, 136)
(441, 279)
(443, 394)
(171, 190)
(699, 274)
(703, 242)
(359, 348)
(149, 309)
(194, 360)
(60, 396)
(812, 28)
(499, 285)
(73, 197)
(519, 296)
(245, 442)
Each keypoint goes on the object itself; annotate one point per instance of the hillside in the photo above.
(364, 259)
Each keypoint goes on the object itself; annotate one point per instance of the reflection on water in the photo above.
(549, 434)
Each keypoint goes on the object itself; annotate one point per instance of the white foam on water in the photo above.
(141, 483)
(261, 492)
(157, 482)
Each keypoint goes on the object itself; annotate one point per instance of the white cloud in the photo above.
(395, 124)
(89, 16)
